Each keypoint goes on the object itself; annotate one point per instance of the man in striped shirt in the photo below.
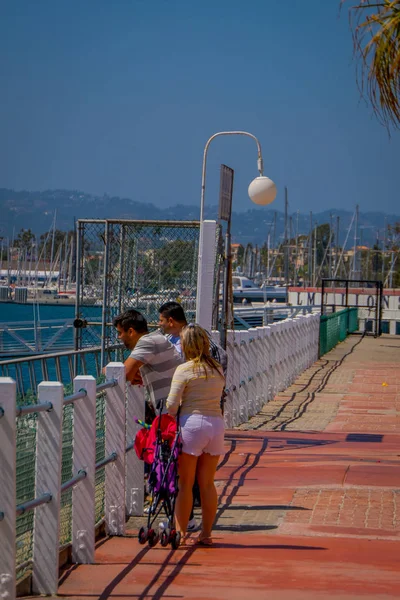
(172, 320)
(152, 355)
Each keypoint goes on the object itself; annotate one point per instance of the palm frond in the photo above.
(376, 35)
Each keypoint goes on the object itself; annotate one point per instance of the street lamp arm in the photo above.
(203, 178)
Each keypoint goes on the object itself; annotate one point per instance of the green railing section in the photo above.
(334, 328)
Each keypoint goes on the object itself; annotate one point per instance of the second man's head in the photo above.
(171, 318)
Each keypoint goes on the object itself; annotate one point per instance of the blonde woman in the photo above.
(196, 388)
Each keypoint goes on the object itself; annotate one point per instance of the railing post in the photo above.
(261, 393)
(135, 404)
(114, 501)
(230, 350)
(235, 340)
(274, 354)
(46, 531)
(84, 459)
(205, 274)
(244, 375)
(263, 365)
(8, 391)
(297, 341)
(253, 396)
(288, 362)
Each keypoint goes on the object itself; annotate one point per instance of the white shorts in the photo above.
(202, 434)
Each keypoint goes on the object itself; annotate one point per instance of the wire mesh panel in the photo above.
(26, 464)
(132, 264)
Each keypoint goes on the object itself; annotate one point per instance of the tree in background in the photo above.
(240, 258)
(174, 263)
(393, 247)
(50, 242)
(24, 239)
(376, 35)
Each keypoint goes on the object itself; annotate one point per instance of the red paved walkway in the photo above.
(303, 514)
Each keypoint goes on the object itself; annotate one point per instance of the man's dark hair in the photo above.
(174, 310)
(131, 318)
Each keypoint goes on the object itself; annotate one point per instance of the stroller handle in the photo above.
(142, 423)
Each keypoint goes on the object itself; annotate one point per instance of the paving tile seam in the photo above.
(304, 533)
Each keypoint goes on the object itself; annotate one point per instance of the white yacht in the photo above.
(245, 289)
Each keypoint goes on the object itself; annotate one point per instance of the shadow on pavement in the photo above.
(243, 527)
(364, 437)
(265, 507)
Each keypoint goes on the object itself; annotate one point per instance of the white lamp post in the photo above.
(262, 191)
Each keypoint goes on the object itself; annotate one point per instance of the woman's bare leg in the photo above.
(184, 500)
(206, 467)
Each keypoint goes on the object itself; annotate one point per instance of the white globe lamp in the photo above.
(262, 190)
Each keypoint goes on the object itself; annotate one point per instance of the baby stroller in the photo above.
(159, 445)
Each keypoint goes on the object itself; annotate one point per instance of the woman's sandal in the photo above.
(204, 541)
(188, 541)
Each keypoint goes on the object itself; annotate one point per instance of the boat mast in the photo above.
(310, 250)
(286, 254)
(315, 256)
(354, 274)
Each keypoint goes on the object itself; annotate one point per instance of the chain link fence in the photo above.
(132, 264)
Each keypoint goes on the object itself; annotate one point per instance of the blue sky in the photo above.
(120, 96)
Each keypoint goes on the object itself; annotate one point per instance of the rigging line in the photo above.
(324, 257)
(344, 246)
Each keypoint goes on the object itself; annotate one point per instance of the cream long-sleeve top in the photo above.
(195, 392)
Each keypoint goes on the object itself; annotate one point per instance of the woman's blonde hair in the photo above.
(196, 347)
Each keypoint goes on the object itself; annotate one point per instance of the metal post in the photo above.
(227, 282)
(201, 268)
(114, 502)
(46, 536)
(105, 307)
(8, 502)
(315, 256)
(286, 243)
(84, 459)
(78, 277)
(337, 244)
(121, 276)
(310, 251)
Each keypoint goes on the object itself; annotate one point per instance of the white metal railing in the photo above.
(123, 472)
(261, 362)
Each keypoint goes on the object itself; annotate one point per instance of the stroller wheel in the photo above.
(165, 536)
(143, 535)
(175, 539)
(153, 538)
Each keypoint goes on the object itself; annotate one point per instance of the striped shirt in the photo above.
(160, 361)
